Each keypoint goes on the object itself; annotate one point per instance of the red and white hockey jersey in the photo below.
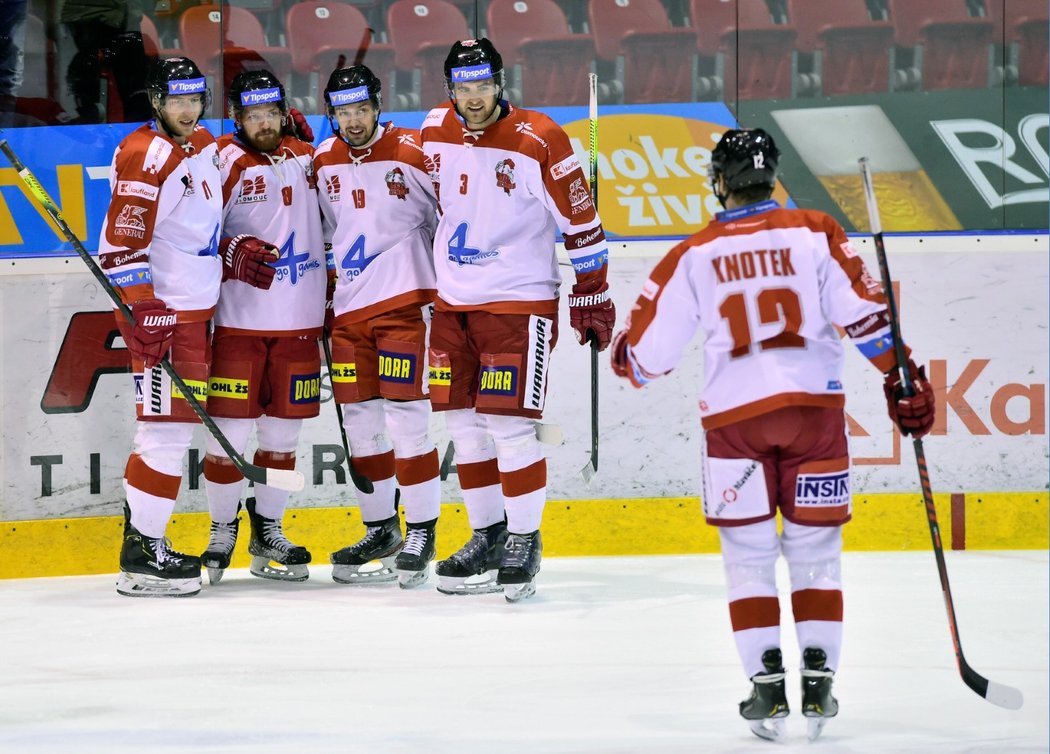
(274, 197)
(379, 216)
(504, 193)
(766, 286)
(160, 237)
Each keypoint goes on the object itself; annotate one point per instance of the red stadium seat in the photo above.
(534, 36)
(658, 60)
(231, 38)
(421, 33)
(1022, 25)
(151, 41)
(324, 36)
(758, 54)
(954, 45)
(855, 51)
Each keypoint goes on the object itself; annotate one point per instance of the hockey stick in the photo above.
(281, 479)
(363, 483)
(996, 693)
(591, 468)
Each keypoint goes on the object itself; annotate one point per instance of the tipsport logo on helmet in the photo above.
(349, 96)
(187, 86)
(472, 72)
(260, 97)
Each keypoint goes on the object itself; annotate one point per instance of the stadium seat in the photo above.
(952, 47)
(654, 60)
(421, 33)
(151, 41)
(758, 54)
(854, 51)
(231, 38)
(324, 36)
(1022, 26)
(533, 38)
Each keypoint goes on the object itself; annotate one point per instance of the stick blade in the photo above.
(1004, 696)
(288, 480)
(589, 471)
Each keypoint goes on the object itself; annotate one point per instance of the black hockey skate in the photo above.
(273, 556)
(150, 568)
(818, 705)
(221, 541)
(413, 562)
(520, 564)
(767, 706)
(472, 568)
(382, 542)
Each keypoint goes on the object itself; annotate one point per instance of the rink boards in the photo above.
(974, 308)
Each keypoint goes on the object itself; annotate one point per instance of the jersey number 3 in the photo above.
(775, 305)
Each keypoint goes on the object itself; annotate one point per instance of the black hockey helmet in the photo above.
(174, 76)
(357, 83)
(473, 60)
(255, 88)
(744, 157)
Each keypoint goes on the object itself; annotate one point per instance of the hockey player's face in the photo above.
(476, 102)
(357, 122)
(181, 113)
(262, 126)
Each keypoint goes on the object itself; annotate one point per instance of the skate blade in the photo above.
(518, 592)
(814, 725)
(141, 585)
(355, 576)
(265, 568)
(215, 575)
(412, 579)
(482, 583)
(771, 729)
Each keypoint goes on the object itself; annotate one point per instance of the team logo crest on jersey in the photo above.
(579, 197)
(526, 129)
(395, 183)
(129, 222)
(331, 187)
(252, 190)
(187, 181)
(505, 175)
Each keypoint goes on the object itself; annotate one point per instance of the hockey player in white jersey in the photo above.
(507, 181)
(266, 362)
(767, 286)
(159, 249)
(379, 212)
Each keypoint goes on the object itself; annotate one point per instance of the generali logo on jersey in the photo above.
(252, 190)
(129, 222)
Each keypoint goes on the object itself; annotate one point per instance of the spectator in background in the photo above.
(12, 48)
(106, 32)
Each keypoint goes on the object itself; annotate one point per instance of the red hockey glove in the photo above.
(914, 415)
(618, 355)
(297, 125)
(245, 258)
(150, 337)
(592, 311)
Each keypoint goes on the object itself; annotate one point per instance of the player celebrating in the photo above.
(507, 180)
(767, 285)
(379, 211)
(267, 365)
(158, 247)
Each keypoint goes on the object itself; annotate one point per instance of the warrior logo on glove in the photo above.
(246, 258)
(592, 311)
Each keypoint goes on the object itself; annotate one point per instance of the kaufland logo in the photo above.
(187, 86)
(349, 96)
(472, 73)
(260, 96)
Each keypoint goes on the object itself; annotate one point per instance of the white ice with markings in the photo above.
(612, 655)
